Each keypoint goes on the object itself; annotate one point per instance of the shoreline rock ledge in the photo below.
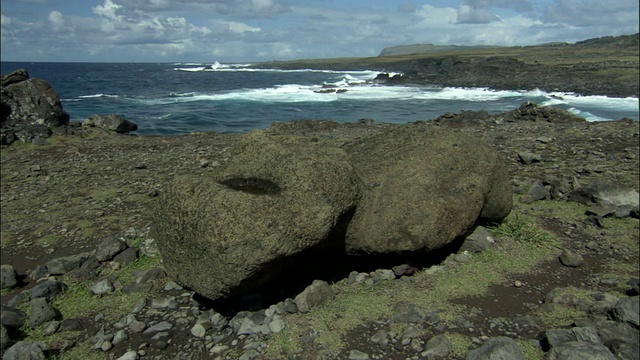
(282, 198)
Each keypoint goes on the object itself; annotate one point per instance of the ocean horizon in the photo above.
(178, 98)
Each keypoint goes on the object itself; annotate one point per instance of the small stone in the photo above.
(7, 277)
(139, 305)
(218, 349)
(170, 286)
(109, 247)
(571, 258)
(106, 346)
(380, 338)
(276, 326)
(137, 326)
(159, 327)
(315, 294)
(41, 312)
(198, 331)
(529, 158)
(141, 166)
(102, 287)
(50, 328)
(290, 306)
(120, 337)
(130, 355)
(358, 355)
(437, 348)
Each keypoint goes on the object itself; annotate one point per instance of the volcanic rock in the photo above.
(110, 122)
(29, 102)
(423, 187)
(277, 197)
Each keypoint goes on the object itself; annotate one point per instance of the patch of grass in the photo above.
(82, 351)
(103, 194)
(559, 316)
(351, 307)
(48, 240)
(530, 350)
(567, 211)
(460, 345)
(524, 230)
(142, 263)
(474, 277)
(622, 232)
(77, 300)
(284, 345)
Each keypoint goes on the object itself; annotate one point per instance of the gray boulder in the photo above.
(110, 122)
(14, 77)
(478, 241)
(25, 350)
(628, 310)
(423, 187)
(605, 193)
(11, 318)
(277, 197)
(109, 247)
(29, 102)
(7, 277)
(578, 350)
(41, 312)
(315, 294)
(497, 348)
(4, 338)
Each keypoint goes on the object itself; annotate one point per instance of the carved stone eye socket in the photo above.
(254, 186)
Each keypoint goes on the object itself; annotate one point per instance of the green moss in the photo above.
(351, 307)
(531, 350)
(560, 316)
(460, 345)
(284, 345)
(524, 229)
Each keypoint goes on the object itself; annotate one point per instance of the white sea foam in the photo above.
(190, 69)
(97, 96)
(357, 88)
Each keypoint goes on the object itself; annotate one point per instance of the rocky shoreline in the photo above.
(82, 277)
(67, 195)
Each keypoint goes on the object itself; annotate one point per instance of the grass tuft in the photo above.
(524, 230)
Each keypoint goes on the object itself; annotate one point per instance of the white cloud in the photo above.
(4, 20)
(55, 17)
(239, 28)
(470, 15)
(108, 10)
(431, 16)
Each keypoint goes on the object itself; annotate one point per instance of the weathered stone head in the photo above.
(412, 188)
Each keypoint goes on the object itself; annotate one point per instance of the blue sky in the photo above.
(261, 30)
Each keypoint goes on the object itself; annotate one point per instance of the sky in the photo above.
(263, 30)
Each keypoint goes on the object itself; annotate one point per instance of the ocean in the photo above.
(178, 98)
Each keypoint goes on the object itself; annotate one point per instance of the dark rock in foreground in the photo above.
(28, 101)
